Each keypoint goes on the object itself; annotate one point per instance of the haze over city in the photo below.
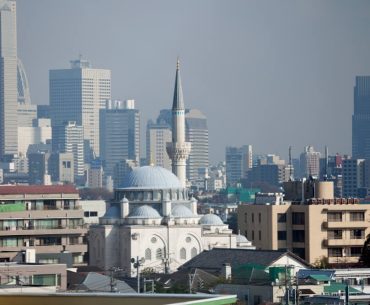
(266, 73)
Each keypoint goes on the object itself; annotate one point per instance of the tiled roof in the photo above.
(215, 258)
(37, 189)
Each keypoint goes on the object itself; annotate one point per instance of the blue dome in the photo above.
(144, 211)
(151, 177)
(211, 219)
(181, 211)
(113, 212)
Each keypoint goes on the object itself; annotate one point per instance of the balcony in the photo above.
(345, 224)
(34, 230)
(343, 242)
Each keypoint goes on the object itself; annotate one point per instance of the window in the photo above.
(182, 253)
(335, 216)
(281, 235)
(298, 236)
(301, 252)
(194, 252)
(259, 235)
(245, 217)
(356, 251)
(298, 218)
(356, 216)
(335, 234)
(148, 254)
(281, 217)
(158, 253)
(259, 217)
(357, 234)
(252, 235)
(252, 217)
(335, 252)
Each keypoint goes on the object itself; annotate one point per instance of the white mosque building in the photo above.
(152, 217)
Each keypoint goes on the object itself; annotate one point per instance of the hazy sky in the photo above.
(266, 73)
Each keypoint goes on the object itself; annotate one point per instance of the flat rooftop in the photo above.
(115, 299)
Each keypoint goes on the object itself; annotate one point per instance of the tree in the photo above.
(321, 263)
(365, 255)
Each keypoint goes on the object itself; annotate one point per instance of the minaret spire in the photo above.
(178, 150)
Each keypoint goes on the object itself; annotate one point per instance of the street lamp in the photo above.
(137, 263)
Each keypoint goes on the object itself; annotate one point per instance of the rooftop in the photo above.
(37, 189)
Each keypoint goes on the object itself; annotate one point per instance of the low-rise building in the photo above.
(46, 218)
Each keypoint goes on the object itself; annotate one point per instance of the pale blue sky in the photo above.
(266, 73)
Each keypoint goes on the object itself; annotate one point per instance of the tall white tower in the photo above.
(178, 150)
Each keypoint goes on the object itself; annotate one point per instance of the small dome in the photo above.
(181, 211)
(113, 212)
(124, 200)
(241, 239)
(211, 219)
(144, 211)
(152, 177)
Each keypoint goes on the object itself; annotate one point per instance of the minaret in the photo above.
(178, 150)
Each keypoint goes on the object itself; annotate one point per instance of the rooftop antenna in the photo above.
(326, 161)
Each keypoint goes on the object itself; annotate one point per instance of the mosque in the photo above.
(152, 217)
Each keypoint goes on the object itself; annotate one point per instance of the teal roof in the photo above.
(335, 287)
(320, 277)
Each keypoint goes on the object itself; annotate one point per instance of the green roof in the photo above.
(335, 287)
(320, 277)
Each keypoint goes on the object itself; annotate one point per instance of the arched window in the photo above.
(159, 253)
(148, 254)
(194, 252)
(182, 253)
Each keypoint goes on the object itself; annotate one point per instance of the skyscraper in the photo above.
(119, 133)
(310, 162)
(361, 118)
(77, 94)
(197, 135)
(8, 78)
(157, 136)
(239, 161)
(69, 139)
(178, 149)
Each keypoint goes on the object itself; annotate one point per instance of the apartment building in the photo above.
(332, 228)
(46, 218)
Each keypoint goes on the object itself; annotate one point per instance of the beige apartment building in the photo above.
(46, 218)
(332, 228)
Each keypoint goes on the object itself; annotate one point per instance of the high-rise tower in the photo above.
(361, 118)
(178, 150)
(8, 78)
(77, 94)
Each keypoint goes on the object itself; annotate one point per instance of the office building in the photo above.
(197, 135)
(353, 176)
(38, 133)
(43, 111)
(68, 138)
(157, 137)
(45, 218)
(38, 167)
(8, 79)
(310, 162)
(119, 133)
(77, 94)
(121, 170)
(361, 119)
(239, 160)
(61, 167)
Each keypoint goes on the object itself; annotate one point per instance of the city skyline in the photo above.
(233, 59)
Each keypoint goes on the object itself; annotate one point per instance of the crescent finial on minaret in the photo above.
(178, 63)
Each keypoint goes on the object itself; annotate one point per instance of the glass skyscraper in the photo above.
(361, 119)
(8, 78)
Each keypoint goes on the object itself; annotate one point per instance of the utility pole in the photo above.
(137, 263)
(113, 270)
(286, 286)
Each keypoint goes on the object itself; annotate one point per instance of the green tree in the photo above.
(321, 263)
(365, 255)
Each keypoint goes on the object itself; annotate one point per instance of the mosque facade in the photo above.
(153, 219)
